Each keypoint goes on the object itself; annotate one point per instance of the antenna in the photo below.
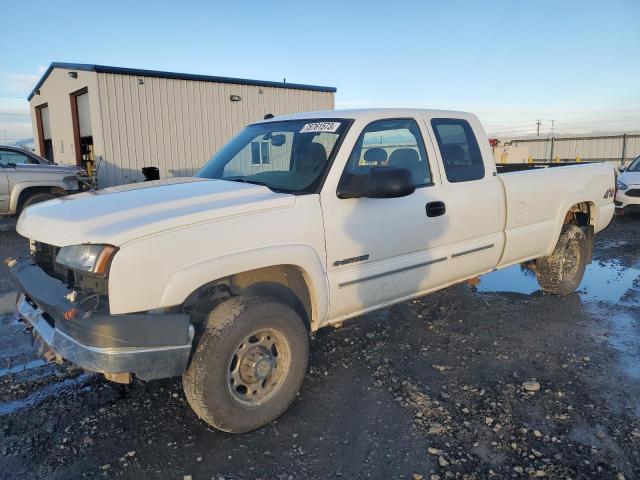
(538, 128)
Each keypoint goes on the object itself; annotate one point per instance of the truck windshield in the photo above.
(288, 156)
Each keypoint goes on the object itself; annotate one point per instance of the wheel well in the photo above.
(31, 191)
(579, 214)
(285, 282)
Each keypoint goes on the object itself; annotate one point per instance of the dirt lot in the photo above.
(429, 389)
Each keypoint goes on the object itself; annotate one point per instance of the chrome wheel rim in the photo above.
(258, 365)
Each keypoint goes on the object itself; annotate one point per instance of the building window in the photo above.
(260, 153)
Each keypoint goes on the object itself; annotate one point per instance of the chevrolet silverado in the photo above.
(299, 222)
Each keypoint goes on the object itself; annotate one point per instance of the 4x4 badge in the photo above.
(609, 193)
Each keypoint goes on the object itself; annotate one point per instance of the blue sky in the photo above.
(510, 62)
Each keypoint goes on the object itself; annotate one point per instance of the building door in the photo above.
(82, 132)
(44, 132)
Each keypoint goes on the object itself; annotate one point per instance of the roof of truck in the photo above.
(372, 114)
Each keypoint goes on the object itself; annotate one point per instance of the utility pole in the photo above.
(552, 121)
(537, 128)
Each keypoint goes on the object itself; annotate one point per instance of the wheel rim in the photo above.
(258, 366)
(571, 259)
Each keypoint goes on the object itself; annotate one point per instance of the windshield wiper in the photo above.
(253, 182)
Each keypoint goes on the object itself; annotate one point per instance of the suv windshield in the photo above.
(288, 156)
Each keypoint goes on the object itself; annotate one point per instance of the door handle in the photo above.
(435, 209)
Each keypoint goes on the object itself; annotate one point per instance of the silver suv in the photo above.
(26, 178)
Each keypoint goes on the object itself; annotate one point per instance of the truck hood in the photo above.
(117, 215)
(44, 171)
(630, 178)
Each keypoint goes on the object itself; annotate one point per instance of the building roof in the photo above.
(174, 75)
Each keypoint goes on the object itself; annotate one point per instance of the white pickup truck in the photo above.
(297, 223)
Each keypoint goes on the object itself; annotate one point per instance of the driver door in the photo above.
(381, 250)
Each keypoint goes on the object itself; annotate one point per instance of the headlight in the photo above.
(87, 258)
(71, 182)
(621, 186)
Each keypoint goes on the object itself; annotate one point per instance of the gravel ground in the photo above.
(435, 388)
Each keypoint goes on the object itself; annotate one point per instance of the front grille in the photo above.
(87, 284)
(634, 192)
(45, 257)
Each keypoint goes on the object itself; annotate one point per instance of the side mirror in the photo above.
(278, 140)
(381, 182)
(621, 168)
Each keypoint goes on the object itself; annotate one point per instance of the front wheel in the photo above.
(249, 364)
(38, 198)
(561, 272)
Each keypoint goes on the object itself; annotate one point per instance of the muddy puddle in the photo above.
(606, 287)
(7, 303)
(52, 389)
(22, 367)
(608, 281)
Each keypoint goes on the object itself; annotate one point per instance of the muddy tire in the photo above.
(249, 363)
(561, 272)
(37, 198)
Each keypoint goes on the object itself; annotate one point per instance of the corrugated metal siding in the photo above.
(176, 125)
(589, 147)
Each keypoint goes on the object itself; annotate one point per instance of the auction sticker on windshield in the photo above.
(320, 127)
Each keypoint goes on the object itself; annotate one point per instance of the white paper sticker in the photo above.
(329, 127)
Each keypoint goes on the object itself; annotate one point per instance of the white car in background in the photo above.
(628, 188)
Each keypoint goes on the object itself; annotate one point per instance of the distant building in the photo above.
(120, 120)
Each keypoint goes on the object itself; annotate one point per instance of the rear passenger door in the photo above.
(474, 197)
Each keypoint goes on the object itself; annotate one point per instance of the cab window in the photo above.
(459, 149)
(391, 143)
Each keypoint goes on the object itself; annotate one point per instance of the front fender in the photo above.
(22, 186)
(190, 277)
(184, 280)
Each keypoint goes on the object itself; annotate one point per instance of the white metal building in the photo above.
(120, 120)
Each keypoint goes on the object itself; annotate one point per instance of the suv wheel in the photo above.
(249, 363)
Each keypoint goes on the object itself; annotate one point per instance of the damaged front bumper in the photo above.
(149, 346)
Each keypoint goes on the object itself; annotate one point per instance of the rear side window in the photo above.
(7, 156)
(459, 149)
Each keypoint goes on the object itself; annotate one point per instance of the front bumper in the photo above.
(624, 201)
(148, 346)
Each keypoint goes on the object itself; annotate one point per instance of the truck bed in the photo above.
(519, 167)
(537, 200)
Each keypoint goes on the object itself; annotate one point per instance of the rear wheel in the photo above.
(249, 364)
(561, 272)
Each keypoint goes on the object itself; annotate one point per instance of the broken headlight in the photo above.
(86, 258)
